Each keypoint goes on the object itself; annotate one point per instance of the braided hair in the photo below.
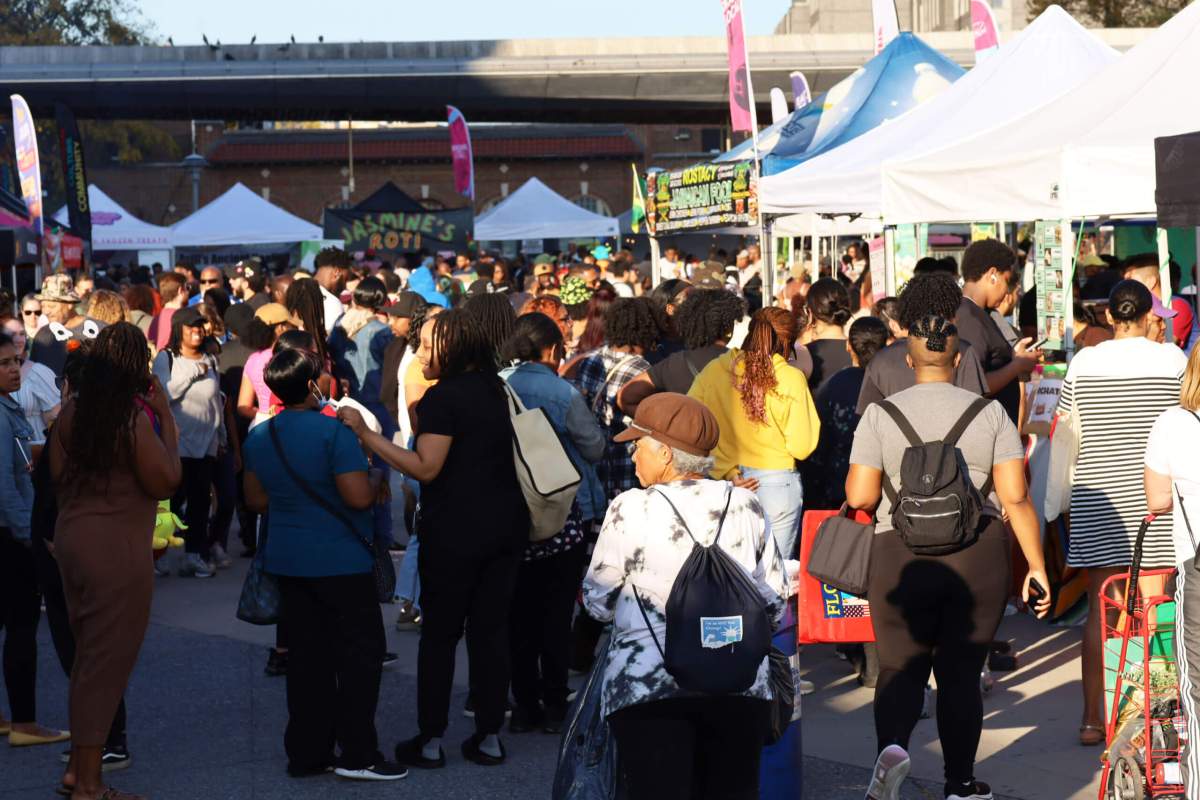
(772, 332)
(495, 315)
(304, 299)
(928, 294)
(115, 370)
(935, 330)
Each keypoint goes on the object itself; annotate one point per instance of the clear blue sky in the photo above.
(235, 21)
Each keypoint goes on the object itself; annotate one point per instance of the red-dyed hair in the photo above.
(772, 332)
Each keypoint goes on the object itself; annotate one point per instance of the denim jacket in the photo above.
(359, 359)
(539, 387)
(16, 481)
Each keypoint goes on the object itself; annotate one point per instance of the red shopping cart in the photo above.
(1145, 730)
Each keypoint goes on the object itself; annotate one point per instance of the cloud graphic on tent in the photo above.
(929, 83)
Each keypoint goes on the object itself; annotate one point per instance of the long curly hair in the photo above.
(772, 332)
(115, 370)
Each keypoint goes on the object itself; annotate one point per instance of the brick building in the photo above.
(305, 170)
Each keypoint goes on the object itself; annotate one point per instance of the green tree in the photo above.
(1115, 13)
(84, 22)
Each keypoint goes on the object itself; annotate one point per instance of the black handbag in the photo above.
(841, 554)
(383, 569)
(260, 601)
(783, 691)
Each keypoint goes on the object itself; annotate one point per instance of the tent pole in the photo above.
(655, 262)
(1164, 276)
(889, 260)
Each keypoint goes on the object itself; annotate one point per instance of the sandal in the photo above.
(1091, 735)
(115, 794)
(64, 790)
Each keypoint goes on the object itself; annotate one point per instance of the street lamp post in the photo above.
(194, 162)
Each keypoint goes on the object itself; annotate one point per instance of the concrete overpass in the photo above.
(666, 79)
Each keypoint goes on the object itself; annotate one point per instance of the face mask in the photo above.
(321, 399)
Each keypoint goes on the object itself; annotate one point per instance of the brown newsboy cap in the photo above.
(676, 420)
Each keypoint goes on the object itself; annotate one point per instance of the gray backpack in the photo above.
(936, 509)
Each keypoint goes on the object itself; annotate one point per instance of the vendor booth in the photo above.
(848, 179)
(537, 212)
(390, 223)
(118, 234)
(240, 222)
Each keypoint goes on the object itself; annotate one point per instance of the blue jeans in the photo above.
(782, 498)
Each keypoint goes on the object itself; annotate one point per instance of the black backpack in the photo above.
(718, 630)
(936, 509)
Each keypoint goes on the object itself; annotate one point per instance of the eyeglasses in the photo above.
(29, 312)
(210, 282)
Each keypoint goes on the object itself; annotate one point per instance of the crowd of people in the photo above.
(695, 413)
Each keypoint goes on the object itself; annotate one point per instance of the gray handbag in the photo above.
(841, 554)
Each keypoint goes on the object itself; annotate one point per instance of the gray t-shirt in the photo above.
(932, 409)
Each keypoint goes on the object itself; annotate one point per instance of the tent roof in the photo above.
(848, 178)
(114, 228)
(905, 74)
(1177, 194)
(241, 217)
(390, 198)
(1087, 153)
(535, 211)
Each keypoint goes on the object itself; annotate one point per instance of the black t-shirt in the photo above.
(51, 350)
(978, 328)
(474, 506)
(677, 371)
(824, 472)
(828, 356)
(389, 380)
(889, 373)
(665, 348)
(259, 300)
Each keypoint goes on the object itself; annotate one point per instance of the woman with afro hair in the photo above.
(767, 419)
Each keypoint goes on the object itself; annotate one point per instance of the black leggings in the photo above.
(195, 492)
(691, 748)
(936, 613)
(20, 611)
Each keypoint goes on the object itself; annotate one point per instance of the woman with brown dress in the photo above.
(113, 456)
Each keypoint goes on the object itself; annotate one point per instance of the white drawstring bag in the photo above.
(548, 477)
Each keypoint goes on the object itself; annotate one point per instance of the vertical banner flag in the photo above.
(460, 153)
(987, 33)
(801, 95)
(28, 167)
(739, 73)
(70, 146)
(887, 23)
(637, 214)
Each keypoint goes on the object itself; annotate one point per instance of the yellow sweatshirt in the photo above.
(790, 432)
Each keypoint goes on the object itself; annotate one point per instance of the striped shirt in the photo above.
(1116, 390)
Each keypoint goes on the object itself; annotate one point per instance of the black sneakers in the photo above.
(975, 790)
(472, 753)
(112, 759)
(379, 771)
(409, 752)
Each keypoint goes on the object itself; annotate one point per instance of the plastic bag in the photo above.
(587, 756)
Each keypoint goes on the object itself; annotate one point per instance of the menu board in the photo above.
(1051, 280)
(703, 196)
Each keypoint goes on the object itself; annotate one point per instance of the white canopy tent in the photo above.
(242, 217)
(535, 211)
(848, 178)
(114, 228)
(1089, 153)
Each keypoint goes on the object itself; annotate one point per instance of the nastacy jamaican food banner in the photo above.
(401, 232)
(703, 196)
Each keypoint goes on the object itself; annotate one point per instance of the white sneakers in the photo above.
(891, 768)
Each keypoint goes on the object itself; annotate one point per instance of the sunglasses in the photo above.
(210, 282)
(29, 312)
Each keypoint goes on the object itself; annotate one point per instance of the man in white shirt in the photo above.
(333, 268)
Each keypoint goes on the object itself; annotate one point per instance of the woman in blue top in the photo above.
(320, 551)
(551, 571)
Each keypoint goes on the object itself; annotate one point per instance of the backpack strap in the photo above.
(649, 627)
(968, 416)
(902, 423)
(720, 523)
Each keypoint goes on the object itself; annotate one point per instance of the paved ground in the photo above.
(206, 723)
